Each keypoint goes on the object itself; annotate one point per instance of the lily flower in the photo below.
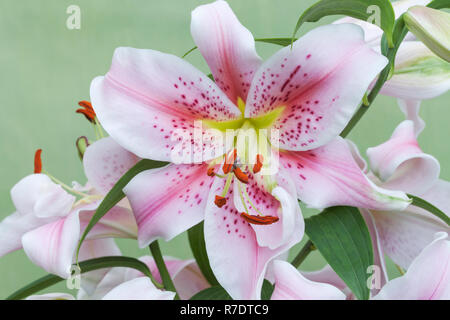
(400, 164)
(418, 73)
(49, 220)
(306, 94)
(426, 279)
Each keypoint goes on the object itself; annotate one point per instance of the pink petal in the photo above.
(38, 195)
(320, 82)
(51, 296)
(168, 201)
(325, 275)
(227, 46)
(281, 202)
(290, 284)
(401, 164)
(428, 277)
(333, 170)
(148, 99)
(138, 289)
(229, 238)
(105, 162)
(403, 234)
(439, 195)
(411, 110)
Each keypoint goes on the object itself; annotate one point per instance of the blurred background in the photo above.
(47, 68)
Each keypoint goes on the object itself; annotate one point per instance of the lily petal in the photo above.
(168, 201)
(428, 277)
(401, 164)
(411, 110)
(51, 296)
(138, 289)
(333, 170)
(105, 161)
(148, 100)
(229, 238)
(227, 46)
(318, 84)
(290, 284)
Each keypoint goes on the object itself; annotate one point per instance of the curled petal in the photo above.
(428, 277)
(333, 170)
(290, 284)
(138, 289)
(401, 164)
(227, 46)
(411, 110)
(316, 86)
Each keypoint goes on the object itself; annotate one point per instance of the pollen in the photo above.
(210, 172)
(241, 176)
(258, 165)
(229, 162)
(259, 220)
(37, 161)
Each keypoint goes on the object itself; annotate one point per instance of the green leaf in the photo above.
(267, 290)
(439, 4)
(359, 9)
(198, 247)
(421, 203)
(116, 194)
(85, 266)
(162, 268)
(212, 293)
(342, 237)
(279, 41)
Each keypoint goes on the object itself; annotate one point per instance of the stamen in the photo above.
(210, 172)
(229, 162)
(87, 111)
(220, 201)
(37, 161)
(242, 177)
(259, 220)
(258, 165)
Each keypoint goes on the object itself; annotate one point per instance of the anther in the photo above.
(220, 201)
(258, 165)
(242, 177)
(87, 110)
(37, 161)
(229, 162)
(259, 220)
(210, 172)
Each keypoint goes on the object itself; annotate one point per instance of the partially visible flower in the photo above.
(427, 278)
(307, 94)
(48, 221)
(418, 74)
(432, 27)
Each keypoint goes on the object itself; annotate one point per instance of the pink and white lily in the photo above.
(427, 278)
(400, 164)
(307, 94)
(418, 75)
(49, 221)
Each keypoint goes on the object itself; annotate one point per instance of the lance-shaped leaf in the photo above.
(342, 237)
(116, 194)
(379, 12)
(421, 203)
(432, 27)
(212, 293)
(197, 244)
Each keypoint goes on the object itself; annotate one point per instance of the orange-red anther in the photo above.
(210, 172)
(229, 162)
(240, 175)
(260, 220)
(220, 201)
(37, 161)
(258, 165)
(87, 110)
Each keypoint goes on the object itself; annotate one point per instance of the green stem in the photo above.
(304, 252)
(85, 266)
(164, 273)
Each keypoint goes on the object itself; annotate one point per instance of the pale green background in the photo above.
(46, 68)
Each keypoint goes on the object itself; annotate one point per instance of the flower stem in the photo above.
(304, 252)
(164, 273)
